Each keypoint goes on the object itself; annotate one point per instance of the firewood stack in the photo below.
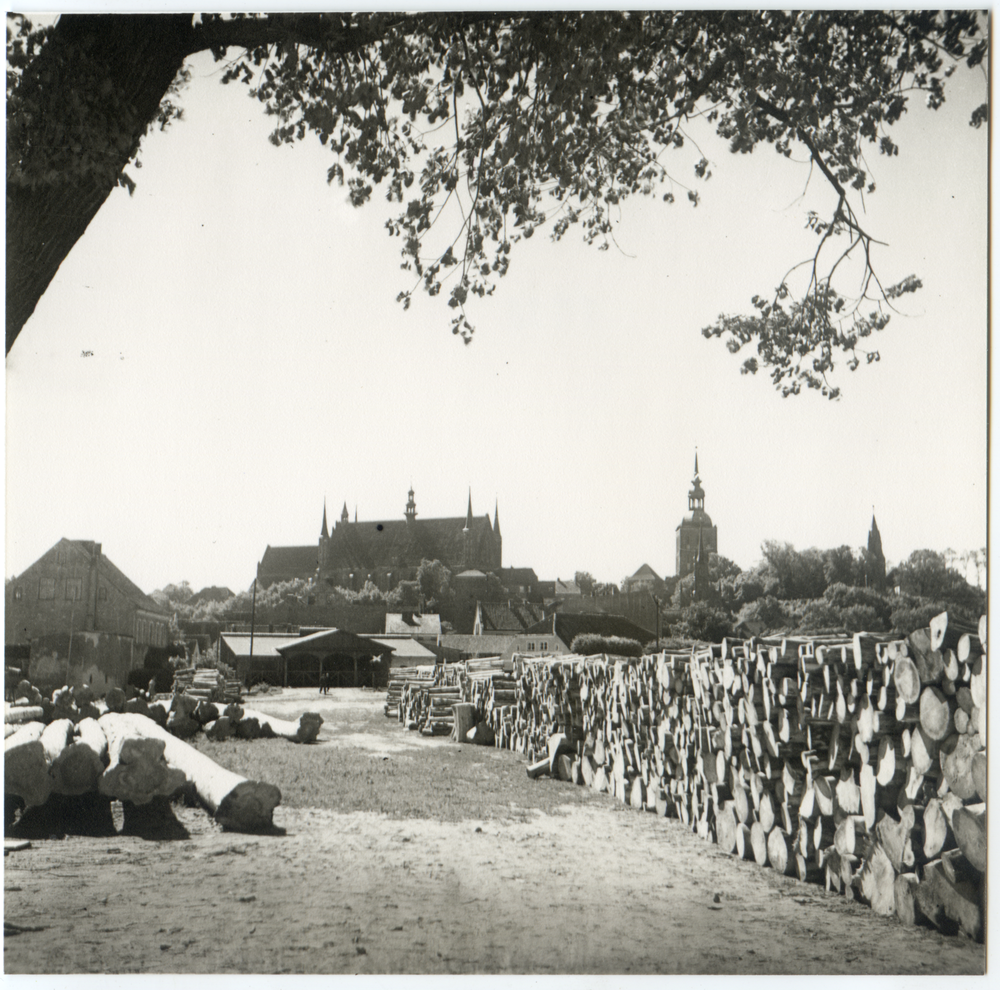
(398, 677)
(855, 761)
(209, 684)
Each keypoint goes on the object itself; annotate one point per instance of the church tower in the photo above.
(695, 534)
(876, 559)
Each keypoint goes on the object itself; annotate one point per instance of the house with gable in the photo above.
(84, 621)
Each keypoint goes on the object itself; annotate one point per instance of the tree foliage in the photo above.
(584, 580)
(588, 644)
(485, 128)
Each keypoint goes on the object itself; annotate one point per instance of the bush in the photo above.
(768, 612)
(703, 622)
(590, 643)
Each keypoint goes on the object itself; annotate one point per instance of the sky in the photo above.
(222, 352)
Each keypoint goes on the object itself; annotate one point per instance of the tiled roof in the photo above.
(569, 625)
(264, 644)
(646, 572)
(518, 576)
(285, 563)
(328, 640)
(138, 596)
(397, 542)
(413, 623)
(508, 616)
(483, 646)
(213, 594)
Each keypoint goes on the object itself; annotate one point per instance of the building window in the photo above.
(531, 647)
(102, 594)
(543, 646)
(18, 593)
(74, 589)
(46, 588)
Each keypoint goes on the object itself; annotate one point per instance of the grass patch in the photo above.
(440, 783)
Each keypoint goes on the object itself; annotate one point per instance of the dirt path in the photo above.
(595, 888)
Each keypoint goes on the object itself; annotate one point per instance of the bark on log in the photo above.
(305, 730)
(970, 834)
(236, 803)
(79, 766)
(905, 890)
(25, 769)
(876, 881)
(465, 719)
(951, 907)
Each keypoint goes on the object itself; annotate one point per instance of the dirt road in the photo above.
(589, 889)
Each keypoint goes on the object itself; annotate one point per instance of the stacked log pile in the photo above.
(854, 761)
(489, 685)
(209, 684)
(127, 757)
(398, 679)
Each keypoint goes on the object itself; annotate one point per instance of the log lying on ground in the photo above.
(304, 731)
(236, 803)
(78, 768)
(137, 770)
(19, 714)
(25, 769)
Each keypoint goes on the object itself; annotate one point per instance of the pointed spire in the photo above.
(496, 518)
(468, 515)
(344, 516)
(411, 507)
(696, 462)
(324, 532)
(355, 511)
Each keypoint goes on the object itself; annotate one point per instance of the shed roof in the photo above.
(331, 640)
(264, 644)
(404, 649)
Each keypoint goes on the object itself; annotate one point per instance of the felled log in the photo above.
(78, 768)
(876, 881)
(304, 731)
(219, 730)
(969, 827)
(905, 890)
(236, 803)
(950, 907)
(465, 719)
(19, 714)
(137, 769)
(25, 769)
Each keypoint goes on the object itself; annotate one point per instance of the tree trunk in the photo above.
(237, 803)
(79, 767)
(25, 769)
(304, 731)
(465, 719)
(124, 66)
(970, 834)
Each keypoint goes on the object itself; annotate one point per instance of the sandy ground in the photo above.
(596, 888)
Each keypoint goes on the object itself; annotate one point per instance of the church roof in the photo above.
(286, 563)
(696, 517)
(394, 542)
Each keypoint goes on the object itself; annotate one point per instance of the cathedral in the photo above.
(388, 551)
(696, 536)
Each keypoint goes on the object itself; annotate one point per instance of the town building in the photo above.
(644, 579)
(84, 620)
(695, 534)
(388, 551)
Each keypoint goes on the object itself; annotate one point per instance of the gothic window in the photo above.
(18, 593)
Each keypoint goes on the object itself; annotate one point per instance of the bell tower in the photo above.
(696, 535)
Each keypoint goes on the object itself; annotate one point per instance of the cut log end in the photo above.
(249, 807)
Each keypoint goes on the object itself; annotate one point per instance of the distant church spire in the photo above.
(876, 558)
(496, 518)
(344, 516)
(468, 515)
(411, 507)
(324, 532)
(696, 462)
